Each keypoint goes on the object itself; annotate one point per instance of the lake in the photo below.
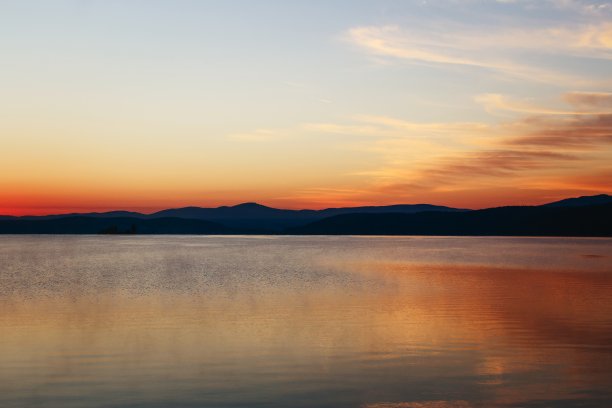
(279, 321)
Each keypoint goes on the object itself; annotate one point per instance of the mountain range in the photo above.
(249, 215)
(581, 216)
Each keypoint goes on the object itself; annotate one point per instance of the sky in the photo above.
(145, 105)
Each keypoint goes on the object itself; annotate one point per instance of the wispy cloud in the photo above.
(538, 140)
(582, 133)
(369, 126)
(496, 50)
(494, 163)
(589, 104)
(535, 147)
(589, 99)
(424, 128)
(454, 44)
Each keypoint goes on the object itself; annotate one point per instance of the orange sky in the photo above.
(141, 106)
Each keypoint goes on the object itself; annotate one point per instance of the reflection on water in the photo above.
(372, 322)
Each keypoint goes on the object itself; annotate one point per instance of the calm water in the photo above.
(371, 322)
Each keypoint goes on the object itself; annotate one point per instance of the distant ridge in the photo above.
(581, 216)
(256, 216)
(246, 215)
(593, 221)
(582, 201)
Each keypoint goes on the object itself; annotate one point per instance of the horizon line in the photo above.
(84, 212)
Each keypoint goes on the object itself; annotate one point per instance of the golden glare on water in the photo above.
(287, 321)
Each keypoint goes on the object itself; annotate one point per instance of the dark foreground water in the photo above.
(373, 322)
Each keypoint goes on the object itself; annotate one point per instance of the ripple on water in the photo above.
(375, 322)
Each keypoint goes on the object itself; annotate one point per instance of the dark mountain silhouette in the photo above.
(257, 216)
(582, 201)
(521, 221)
(402, 208)
(251, 217)
(246, 215)
(576, 216)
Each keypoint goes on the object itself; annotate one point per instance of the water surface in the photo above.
(371, 322)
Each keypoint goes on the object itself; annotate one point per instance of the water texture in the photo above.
(271, 321)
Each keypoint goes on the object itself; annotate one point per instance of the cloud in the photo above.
(367, 126)
(487, 48)
(578, 133)
(540, 144)
(583, 128)
(494, 163)
(589, 99)
(392, 41)
(424, 128)
(557, 142)
(378, 125)
(585, 101)
(536, 148)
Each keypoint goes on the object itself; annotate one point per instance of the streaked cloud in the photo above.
(371, 126)
(495, 163)
(424, 128)
(454, 44)
(538, 143)
(576, 133)
(589, 104)
(589, 99)
(433, 156)
(526, 147)
(497, 50)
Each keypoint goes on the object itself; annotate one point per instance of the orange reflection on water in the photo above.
(453, 335)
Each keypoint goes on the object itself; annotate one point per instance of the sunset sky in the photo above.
(144, 105)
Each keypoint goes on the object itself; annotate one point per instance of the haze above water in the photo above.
(376, 322)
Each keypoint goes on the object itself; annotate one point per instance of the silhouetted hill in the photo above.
(575, 216)
(397, 208)
(117, 225)
(246, 216)
(253, 215)
(521, 221)
(582, 201)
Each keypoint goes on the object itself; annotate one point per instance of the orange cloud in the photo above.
(577, 133)
(527, 160)
(586, 101)
(589, 99)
